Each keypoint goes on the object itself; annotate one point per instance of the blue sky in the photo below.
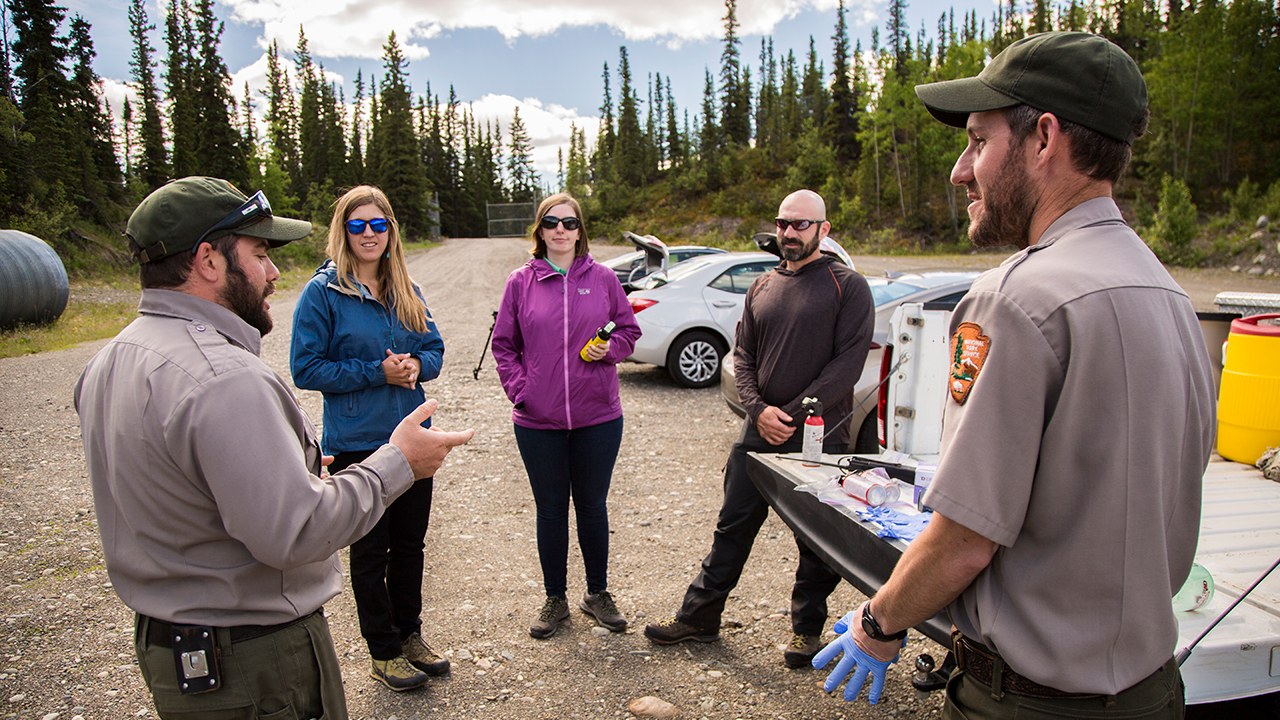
(545, 57)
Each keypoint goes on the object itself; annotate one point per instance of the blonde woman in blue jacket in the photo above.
(362, 336)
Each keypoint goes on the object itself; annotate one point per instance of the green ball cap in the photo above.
(1079, 77)
(171, 219)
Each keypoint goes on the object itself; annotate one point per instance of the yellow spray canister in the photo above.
(601, 337)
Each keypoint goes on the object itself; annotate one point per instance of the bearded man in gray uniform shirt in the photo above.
(1079, 422)
(217, 528)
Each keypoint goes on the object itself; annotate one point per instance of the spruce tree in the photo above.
(813, 90)
(628, 148)
(399, 170)
(523, 177)
(842, 114)
(100, 182)
(282, 122)
(355, 151)
(40, 55)
(735, 93)
(152, 168)
(180, 69)
(312, 155)
(219, 147)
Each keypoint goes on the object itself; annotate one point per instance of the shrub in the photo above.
(1175, 227)
(1243, 201)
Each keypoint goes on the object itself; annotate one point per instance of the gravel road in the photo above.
(66, 643)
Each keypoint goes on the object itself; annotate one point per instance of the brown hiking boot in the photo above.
(672, 631)
(420, 655)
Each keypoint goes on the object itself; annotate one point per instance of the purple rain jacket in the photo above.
(543, 322)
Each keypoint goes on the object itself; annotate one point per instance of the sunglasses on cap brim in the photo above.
(252, 209)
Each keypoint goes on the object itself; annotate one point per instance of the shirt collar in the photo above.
(184, 306)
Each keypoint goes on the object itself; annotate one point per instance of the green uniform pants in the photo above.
(1158, 697)
(291, 674)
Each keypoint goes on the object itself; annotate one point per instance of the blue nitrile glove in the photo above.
(854, 660)
(894, 524)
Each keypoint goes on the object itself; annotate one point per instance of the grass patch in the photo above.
(80, 322)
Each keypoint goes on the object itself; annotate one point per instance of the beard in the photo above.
(806, 249)
(1007, 207)
(244, 300)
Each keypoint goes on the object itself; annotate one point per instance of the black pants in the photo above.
(386, 567)
(743, 512)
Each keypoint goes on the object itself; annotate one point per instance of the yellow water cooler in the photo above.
(1249, 401)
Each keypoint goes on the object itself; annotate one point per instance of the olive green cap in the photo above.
(176, 216)
(1079, 77)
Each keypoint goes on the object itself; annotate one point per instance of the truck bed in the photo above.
(1239, 540)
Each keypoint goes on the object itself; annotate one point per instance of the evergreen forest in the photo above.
(770, 120)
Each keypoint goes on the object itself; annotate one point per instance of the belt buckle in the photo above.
(961, 650)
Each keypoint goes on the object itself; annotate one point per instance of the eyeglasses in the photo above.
(799, 225)
(252, 209)
(549, 222)
(379, 225)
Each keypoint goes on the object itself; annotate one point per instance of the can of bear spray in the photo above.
(811, 451)
(601, 337)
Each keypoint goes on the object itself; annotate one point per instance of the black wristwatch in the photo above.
(872, 628)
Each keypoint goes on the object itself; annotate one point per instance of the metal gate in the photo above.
(509, 219)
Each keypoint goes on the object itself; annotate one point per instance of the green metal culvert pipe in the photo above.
(33, 282)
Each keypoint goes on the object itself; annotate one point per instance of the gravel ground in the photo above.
(66, 646)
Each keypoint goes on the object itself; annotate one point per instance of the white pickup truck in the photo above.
(1235, 669)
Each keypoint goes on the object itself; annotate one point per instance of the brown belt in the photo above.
(980, 664)
(160, 633)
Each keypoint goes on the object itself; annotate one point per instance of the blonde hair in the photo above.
(393, 275)
(539, 249)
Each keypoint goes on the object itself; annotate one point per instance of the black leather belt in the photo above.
(160, 633)
(980, 663)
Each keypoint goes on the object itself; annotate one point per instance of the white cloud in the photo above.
(548, 126)
(358, 28)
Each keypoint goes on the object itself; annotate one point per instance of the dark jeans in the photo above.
(1158, 697)
(574, 463)
(291, 673)
(743, 512)
(386, 567)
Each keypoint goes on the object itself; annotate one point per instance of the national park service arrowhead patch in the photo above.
(969, 349)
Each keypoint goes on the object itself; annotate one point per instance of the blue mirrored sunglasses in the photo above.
(379, 225)
(254, 208)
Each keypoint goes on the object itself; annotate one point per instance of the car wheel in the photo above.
(694, 360)
(867, 441)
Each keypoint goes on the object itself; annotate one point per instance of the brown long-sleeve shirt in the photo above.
(804, 333)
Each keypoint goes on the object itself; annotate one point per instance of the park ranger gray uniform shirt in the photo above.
(204, 468)
(1086, 424)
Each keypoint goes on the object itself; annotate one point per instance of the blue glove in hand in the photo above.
(855, 661)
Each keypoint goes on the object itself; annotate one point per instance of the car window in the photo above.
(889, 291)
(953, 299)
(738, 279)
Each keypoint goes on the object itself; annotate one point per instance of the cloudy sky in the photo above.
(546, 57)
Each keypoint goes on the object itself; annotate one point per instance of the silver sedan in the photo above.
(688, 318)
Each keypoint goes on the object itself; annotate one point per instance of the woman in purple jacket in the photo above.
(568, 417)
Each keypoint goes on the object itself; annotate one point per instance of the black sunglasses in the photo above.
(549, 222)
(254, 208)
(379, 225)
(799, 225)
